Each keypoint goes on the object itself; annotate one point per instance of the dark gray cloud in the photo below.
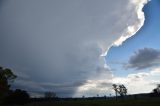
(61, 89)
(144, 58)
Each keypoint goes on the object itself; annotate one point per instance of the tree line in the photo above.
(18, 96)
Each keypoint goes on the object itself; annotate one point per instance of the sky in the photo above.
(140, 53)
(68, 47)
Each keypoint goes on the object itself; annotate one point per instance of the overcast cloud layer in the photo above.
(57, 45)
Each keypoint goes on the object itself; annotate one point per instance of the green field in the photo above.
(122, 102)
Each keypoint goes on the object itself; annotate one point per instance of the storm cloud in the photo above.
(64, 41)
(144, 58)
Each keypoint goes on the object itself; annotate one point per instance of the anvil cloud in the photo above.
(60, 45)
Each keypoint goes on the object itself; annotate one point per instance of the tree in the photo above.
(83, 96)
(120, 89)
(18, 96)
(6, 77)
(49, 95)
(115, 87)
(156, 90)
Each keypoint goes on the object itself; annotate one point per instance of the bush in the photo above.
(18, 96)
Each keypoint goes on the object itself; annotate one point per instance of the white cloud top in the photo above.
(137, 22)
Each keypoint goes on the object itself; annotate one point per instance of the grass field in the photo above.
(122, 102)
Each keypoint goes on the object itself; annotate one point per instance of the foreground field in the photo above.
(126, 102)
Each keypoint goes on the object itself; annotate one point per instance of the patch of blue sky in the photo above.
(147, 37)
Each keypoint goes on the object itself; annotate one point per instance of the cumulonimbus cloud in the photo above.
(65, 41)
